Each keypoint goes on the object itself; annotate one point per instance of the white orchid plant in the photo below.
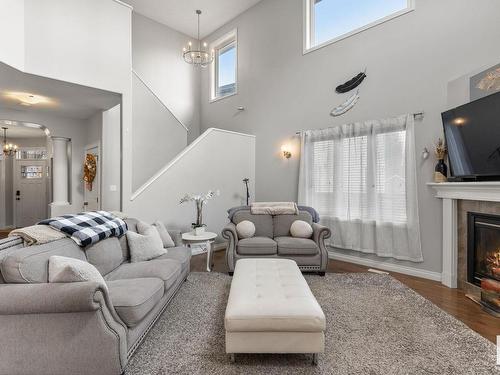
(200, 200)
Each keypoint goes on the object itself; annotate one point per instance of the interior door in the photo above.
(92, 191)
(30, 192)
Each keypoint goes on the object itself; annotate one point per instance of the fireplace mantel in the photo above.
(450, 193)
(474, 191)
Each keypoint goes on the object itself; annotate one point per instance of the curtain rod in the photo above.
(415, 115)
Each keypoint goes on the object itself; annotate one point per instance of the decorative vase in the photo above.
(198, 231)
(441, 171)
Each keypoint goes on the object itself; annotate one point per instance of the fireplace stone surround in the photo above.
(459, 198)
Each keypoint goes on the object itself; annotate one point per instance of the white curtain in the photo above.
(361, 178)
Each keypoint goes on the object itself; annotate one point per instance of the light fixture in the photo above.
(28, 99)
(9, 149)
(287, 154)
(198, 56)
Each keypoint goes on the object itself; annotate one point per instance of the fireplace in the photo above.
(483, 247)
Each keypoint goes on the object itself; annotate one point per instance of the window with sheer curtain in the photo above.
(361, 178)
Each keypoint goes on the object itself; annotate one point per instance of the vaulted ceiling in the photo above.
(180, 14)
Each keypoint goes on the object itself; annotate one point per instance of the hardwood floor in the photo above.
(453, 301)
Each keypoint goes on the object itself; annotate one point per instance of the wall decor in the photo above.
(351, 84)
(89, 170)
(485, 83)
(346, 106)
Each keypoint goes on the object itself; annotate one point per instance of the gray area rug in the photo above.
(375, 325)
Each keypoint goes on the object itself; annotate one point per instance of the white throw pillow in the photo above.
(69, 270)
(145, 246)
(301, 229)
(245, 229)
(165, 236)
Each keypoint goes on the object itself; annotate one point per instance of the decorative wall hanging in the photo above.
(485, 83)
(353, 99)
(346, 106)
(351, 84)
(89, 170)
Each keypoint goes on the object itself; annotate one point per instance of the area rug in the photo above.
(375, 325)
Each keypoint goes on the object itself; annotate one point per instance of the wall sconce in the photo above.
(287, 154)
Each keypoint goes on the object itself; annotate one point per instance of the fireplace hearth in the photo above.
(483, 247)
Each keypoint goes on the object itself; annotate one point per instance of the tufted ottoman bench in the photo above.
(271, 309)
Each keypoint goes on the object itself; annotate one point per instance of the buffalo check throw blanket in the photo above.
(87, 228)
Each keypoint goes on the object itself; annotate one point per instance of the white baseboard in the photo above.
(430, 275)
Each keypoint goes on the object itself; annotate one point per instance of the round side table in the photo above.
(206, 239)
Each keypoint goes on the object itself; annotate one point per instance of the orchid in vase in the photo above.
(199, 200)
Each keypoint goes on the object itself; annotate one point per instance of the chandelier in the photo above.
(9, 149)
(198, 56)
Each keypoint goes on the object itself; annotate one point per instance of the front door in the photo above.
(30, 192)
(92, 191)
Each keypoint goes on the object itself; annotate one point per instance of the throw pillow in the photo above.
(301, 229)
(245, 229)
(68, 270)
(165, 236)
(145, 246)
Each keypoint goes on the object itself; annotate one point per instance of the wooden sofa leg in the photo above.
(315, 357)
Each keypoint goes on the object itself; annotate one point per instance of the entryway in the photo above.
(30, 191)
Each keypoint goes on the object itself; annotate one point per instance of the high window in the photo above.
(330, 20)
(225, 67)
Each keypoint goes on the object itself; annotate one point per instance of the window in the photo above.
(224, 68)
(330, 20)
(360, 177)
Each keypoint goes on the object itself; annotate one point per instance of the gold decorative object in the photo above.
(491, 82)
(441, 170)
(89, 170)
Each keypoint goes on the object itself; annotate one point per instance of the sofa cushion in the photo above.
(181, 254)
(296, 246)
(31, 264)
(257, 246)
(282, 223)
(167, 270)
(164, 235)
(134, 298)
(105, 255)
(263, 223)
(71, 270)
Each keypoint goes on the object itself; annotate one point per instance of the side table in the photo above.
(206, 239)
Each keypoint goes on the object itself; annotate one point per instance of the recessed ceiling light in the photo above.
(28, 99)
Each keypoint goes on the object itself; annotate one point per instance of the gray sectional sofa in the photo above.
(81, 328)
(272, 239)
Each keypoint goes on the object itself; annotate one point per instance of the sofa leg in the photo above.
(315, 357)
(230, 273)
(232, 357)
(321, 273)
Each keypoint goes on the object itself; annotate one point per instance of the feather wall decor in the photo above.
(351, 84)
(346, 106)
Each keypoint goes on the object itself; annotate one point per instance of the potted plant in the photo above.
(200, 200)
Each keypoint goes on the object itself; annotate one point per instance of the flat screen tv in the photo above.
(472, 133)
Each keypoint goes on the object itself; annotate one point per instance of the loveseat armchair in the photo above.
(81, 327)
(272, 239)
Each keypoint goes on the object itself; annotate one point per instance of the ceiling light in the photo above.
(9, 149)
(28, 99)
(198, 56)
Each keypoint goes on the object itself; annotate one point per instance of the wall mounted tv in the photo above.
(472, 133)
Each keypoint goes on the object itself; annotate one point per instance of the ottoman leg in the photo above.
(232, 357)
(315, 357)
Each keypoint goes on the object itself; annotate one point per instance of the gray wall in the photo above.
(111, 159)
(163, 80)
(409, 62)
